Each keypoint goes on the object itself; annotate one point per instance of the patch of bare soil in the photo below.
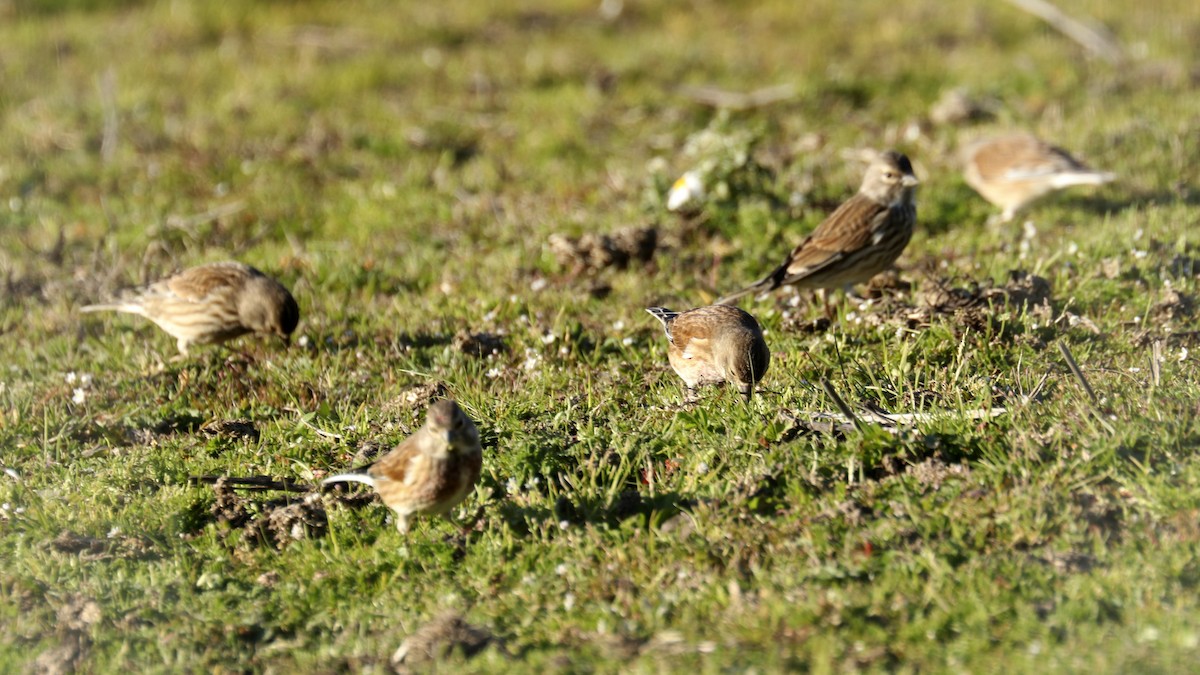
(277, 522)
(103, 548)
(75, 618)
(591, 252)
(479, 345)
(438, 639)
(241, 429)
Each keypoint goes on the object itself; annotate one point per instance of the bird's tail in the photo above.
(126, 307)
(351, 477)
(1083, 178)
(662, 314)
(766, 284)
(110, 307)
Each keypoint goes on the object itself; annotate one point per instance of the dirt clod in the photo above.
(438, 639)
(594, 252)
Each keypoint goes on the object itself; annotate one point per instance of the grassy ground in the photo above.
(403, 167)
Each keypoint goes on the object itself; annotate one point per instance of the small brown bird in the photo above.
(715, 344)
(1012, 171)
(862, 238)
(431, 471)
(211, 304)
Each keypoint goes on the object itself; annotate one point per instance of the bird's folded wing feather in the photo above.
(857, 220)
(395, 465)
(198, 282)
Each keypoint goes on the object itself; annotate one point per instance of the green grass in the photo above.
(401, 168)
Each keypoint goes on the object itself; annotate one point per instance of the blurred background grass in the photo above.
(402, 167)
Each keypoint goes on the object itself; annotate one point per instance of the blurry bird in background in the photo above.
(1012, 171)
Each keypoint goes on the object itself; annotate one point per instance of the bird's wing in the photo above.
(847, 230)
(197, 283)
(396, 465)
(690, 331)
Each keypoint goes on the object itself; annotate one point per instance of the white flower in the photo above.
(1183, 353)
(549, 338)
(72, 377)
(86, 379)
(627, 341)
(685, 191)
(561, 569)
(569, 601)
(493, 373)
(80, 396)
(303, 341)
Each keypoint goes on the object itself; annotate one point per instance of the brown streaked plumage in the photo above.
(212, 303)
(429, 472)
(860, 239)
(715, 344)
(1015, 170)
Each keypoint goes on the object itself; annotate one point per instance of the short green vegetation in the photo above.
(433, 180)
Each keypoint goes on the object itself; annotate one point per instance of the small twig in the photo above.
(901, 419)
(188, 223)
(1066, 353)
(106, 85)
(1037, 389)
(252, 483)
(735, 100)
(839, 402)
(1090, 37)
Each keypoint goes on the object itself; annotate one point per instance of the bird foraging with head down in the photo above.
(213, 303)
(431, 471)
(715, 344)
(862, 238)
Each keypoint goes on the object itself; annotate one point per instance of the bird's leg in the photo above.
(402, 523)
(829, 311)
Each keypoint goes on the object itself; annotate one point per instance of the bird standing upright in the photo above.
(860, 239)
(431, 471)
(715, 344)
(1015, 170)
(213, 303)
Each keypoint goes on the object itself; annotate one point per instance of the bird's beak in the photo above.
(909, 180)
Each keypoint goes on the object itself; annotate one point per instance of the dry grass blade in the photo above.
(1074, 367)
(1089, 37)
(839, 402)
(734, 100)
(1087, 387)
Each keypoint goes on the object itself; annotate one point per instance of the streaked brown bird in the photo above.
(1015, 170)
(431, 471)
(211, 304)
(715, 344)
(860, 239)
